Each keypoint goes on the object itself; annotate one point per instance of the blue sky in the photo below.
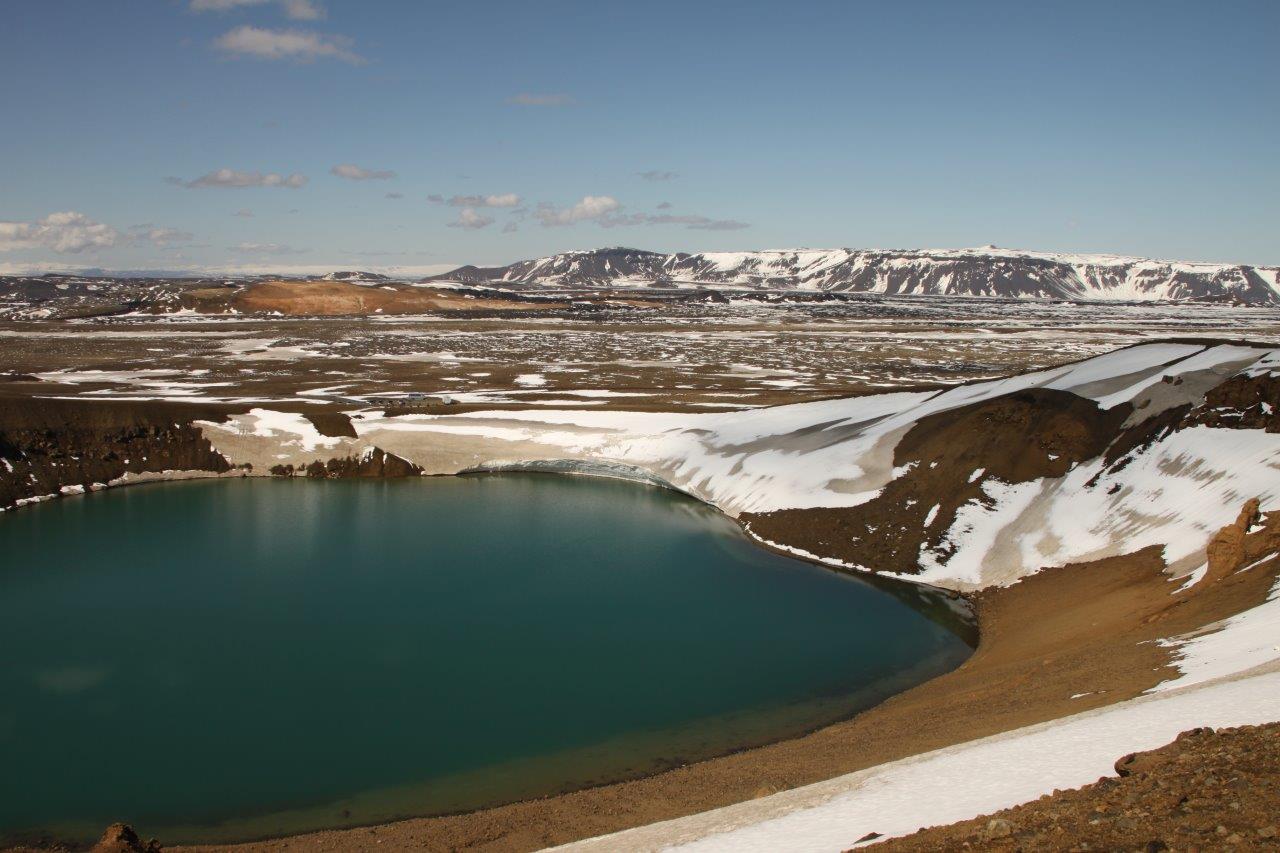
(204, 134)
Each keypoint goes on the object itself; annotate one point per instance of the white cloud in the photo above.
(232, 179)
(65, 232)
(592, 207)
(303, 10)
(529, 99)
(352, 172)
(296, 45)
(267, 249)
(469, 219)
(298, 10)
(501, 200)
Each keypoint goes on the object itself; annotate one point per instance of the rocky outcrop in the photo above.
(1243, 402)
(121, 838)
(372, 463)
(1251, 538)
(332, 424)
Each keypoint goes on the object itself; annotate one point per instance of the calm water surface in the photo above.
(233, 659)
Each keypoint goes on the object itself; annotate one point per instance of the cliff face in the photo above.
(48, 447)
(58, 447)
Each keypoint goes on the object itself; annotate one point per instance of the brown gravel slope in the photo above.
(1205, 791)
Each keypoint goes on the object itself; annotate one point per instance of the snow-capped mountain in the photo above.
(986, 271)
(356, 277)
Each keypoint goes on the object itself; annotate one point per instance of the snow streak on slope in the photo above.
(986, 271)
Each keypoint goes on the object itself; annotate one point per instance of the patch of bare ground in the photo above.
(1205, 791)
(340, 298)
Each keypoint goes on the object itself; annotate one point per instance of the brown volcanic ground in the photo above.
(340, 298)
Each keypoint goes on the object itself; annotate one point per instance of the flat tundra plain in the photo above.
(681, 357)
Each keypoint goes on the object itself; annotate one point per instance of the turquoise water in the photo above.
(231, 659)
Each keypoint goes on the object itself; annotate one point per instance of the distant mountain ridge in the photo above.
(986, 271)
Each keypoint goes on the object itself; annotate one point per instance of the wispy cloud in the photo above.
(606, 212)
(267, 249)
(233, 179)
(298, 10)
(496, 200)
(157, 235)
(530, 99)
(692, 222)
(471, 220)
(656, 175)
(352, 172)
(67, 232)
(592, 207)
(294, 45)
(698, 223)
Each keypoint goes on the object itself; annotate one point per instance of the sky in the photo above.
(415, 136)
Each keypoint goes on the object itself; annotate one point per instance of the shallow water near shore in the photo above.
(226, 660)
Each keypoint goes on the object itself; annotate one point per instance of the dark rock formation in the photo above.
(46, 445)
(373, 463)
(332, 424)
